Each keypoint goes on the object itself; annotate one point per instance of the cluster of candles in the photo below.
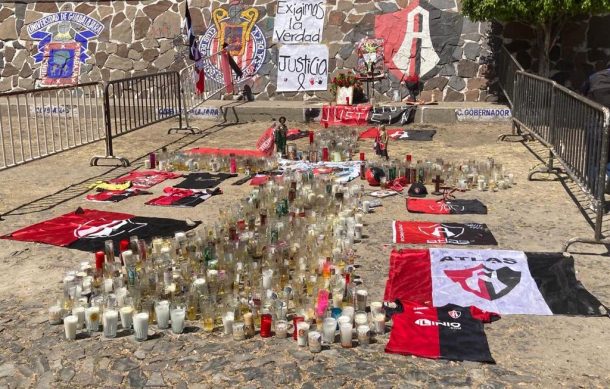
(283, 255)
(481, 175)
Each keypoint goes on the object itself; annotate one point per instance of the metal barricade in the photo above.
(506, 69)
(194, 91)
(574, 129)
(38, 123)
(137, 102)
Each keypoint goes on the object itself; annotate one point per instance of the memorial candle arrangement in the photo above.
(280, 262)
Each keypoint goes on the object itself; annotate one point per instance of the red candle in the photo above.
(310, 137)
(362, 156)
(347, 100)
(99, 260)
(325, 124)
(325, 154)
(295, 321)
(408, 157)
(266, 325)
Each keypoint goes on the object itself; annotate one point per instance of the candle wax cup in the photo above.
(126, 317)
(70, 324)
(140, 326)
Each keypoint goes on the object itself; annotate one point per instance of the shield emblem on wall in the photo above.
(419, 39)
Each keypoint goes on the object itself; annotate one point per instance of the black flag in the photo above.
(194, 53)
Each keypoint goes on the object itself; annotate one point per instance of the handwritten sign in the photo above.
(483, 114)
(299, 21)
(69, 111)
(302, 68)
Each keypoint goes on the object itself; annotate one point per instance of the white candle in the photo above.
(361, 319)
(111, 321)
(376, 307)
(126, 317)
(337, 297)
(314, 338)
(92, 318)
(55, 313)
(365, 206)
(329, 327)
(108, 285)
(177, 315)
(345, 329)
(379, 321)
(349, 312)
(302, 333)
(267, 276)
(140, 326)
(70, 324)
(227, 321)
(281, 329)
(361, 299)
(79, 312)
(162, 313)
(363, 335)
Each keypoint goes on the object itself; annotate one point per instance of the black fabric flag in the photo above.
(448, 207)
(203, 180)
(194, 53)
(391, 115)
(416, 232)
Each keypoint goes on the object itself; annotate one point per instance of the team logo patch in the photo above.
(246, 42)
(484, 282)
(419, 39)
(107, 230)
(442, 231)
(454, 314)
(63, 40)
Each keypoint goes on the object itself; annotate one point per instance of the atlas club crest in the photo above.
(482, 281)
(419, 39)
(246, 42)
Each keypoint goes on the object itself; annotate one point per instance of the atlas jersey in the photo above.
(450, 332)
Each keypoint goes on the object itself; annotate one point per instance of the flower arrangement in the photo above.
(344, 80)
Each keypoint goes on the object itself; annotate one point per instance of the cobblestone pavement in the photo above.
(530, 351)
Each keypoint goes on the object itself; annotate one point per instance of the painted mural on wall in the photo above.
(236, 27)
(63, 42)
(418, 39)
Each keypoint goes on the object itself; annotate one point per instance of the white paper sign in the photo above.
(302, 68)
(299, 21)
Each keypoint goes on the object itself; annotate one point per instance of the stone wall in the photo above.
(140, 37)
(582, 48)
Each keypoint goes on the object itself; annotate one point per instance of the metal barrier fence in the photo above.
(37, 123)
(137, 102)
(575, 129)
(194, 92)
(506, 69)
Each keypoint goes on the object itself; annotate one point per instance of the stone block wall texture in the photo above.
(141, 37)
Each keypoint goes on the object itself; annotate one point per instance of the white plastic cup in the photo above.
(70, 325)
(329, 328)
(348, 311)
(302, 333)
(140, 326)
(360, 319)
(162, 313)
(111, 322)
(345, 330)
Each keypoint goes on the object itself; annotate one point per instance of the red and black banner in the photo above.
(359, 115)
(446, 207)
(87, 229)
(415, 232)
(203, 180)
(176, 197)
(451, 332)
(145, 179)
(502, 281)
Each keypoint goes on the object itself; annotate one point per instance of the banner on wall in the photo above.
(302, 68)
(299, 21)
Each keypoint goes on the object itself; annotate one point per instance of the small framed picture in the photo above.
(345, 95)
